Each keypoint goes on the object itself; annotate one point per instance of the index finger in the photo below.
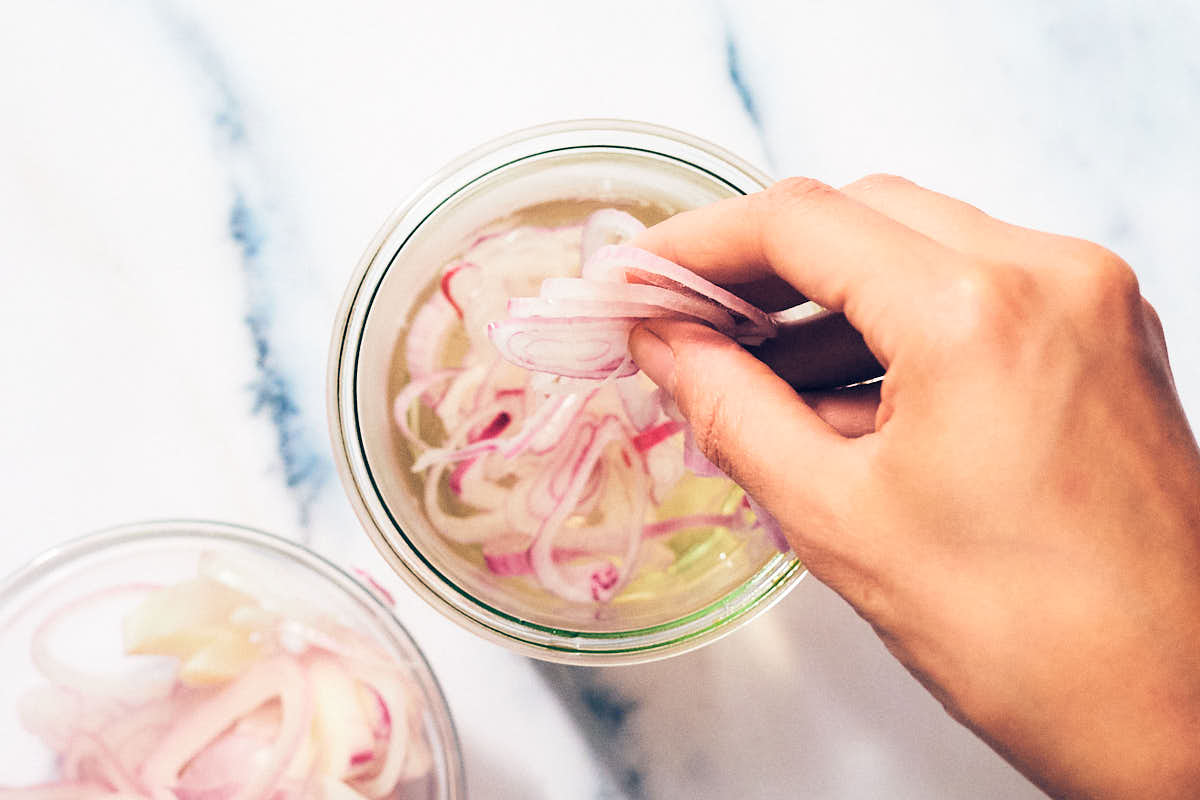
(828, 246)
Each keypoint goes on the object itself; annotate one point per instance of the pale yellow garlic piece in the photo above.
(192, 621)
(228, 653)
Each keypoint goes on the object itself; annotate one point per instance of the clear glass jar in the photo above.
(588, 163)
(73, 599)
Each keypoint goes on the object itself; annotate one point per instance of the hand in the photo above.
(1020, 521)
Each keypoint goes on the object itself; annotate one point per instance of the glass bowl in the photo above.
(528, 176)
(63, 616)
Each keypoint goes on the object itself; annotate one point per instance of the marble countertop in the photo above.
(185, 187)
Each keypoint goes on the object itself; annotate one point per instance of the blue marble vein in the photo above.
(604, 715)
(304, 465)
(606, 706)
(740, 81)
(737, 77)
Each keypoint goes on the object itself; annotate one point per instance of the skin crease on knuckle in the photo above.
(780, 205)
(879, 182)
(796, 193)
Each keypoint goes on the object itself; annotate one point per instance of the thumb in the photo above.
(746, 419)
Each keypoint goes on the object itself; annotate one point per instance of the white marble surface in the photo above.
(185, 186)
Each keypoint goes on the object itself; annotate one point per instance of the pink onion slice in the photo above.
(543, 417)
(543, 428)
(649, 437)
(508, 554)
(90, 758)
(695, 460)
(766, 520)
(408, 395)
(573, 346)
(641, 405)
(375, 586)
(676, 524)
(448, 282)
(489, 431)
(619, 263)
(599, 581)
(525, 307)
(276, 678)
(426, 336)
(665, 468)
(607, 226)
(702, 308)
(549, 429)
(470, 529)
(393, 707)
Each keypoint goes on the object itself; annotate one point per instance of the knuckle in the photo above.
(1113, 279)
(879, 182)
(776, 209)
(988, 304)
(1103, 284)
(791, 192)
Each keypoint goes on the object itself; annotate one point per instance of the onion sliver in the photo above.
(603, 580)
(766, 520)
(619, 263)
(276, 678)
(576, 347)
(394, 710)
(695, 460)
(639, 294)
(417, 388)
(641, 404)
(525, 307)
(448, 281)
(607, 226)
(426, 335)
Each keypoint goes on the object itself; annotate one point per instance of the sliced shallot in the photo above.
(575, 347)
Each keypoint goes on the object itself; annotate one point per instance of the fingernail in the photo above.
(654, 357)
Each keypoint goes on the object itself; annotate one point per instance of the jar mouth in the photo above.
(183, 538)
(721, 174)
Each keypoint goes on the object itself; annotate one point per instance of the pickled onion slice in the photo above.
(637, 295)
(608, 226)
(620, 263)
(310, 711)
(575, 347)
(560, 486)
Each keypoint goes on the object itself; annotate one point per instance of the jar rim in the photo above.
(768, 585)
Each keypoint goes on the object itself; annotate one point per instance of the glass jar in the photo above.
(62, 628)
(589, 164)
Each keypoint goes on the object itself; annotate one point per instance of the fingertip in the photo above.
(653, 356)
(716, 241)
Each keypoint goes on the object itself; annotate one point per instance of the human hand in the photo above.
(1020, 522)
